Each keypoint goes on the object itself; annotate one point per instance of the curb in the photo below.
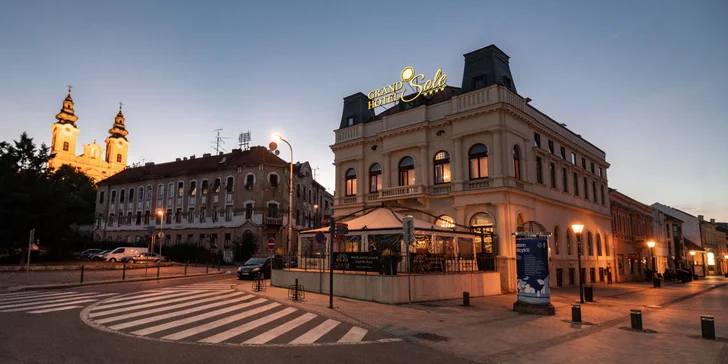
(98, 283)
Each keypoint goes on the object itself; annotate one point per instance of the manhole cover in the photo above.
(430, 337)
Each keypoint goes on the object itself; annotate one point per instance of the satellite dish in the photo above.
(273, 146)
(277, 152)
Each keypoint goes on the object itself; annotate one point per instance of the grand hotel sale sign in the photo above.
(396, 91)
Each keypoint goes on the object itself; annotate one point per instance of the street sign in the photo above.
(271, 243)
(342, 228)
(408, 230)
(320, 237)
(160, 235)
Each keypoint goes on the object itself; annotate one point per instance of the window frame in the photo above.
(442, 166)
(350, 182)
(375, 178)
(479, 157)
(405, 170)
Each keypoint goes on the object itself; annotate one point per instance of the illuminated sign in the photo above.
(396, 92)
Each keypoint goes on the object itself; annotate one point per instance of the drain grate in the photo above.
(430, 337)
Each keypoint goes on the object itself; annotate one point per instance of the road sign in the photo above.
(271, 243)
(320, 237)
(160, 235)
(408, 229)
(342, 228)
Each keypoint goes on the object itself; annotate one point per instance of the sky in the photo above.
(645, 81)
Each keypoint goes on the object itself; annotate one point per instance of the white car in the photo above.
(117, 254)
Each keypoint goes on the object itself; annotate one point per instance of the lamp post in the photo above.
(692, 268)
(290, 194)
(315, 216)
(651, 248)
(160, 213)
(578, 228)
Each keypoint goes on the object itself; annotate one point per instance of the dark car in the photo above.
(88, 253)
(254, 266)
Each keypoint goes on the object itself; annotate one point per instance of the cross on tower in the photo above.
(69, 88)
(120, 105)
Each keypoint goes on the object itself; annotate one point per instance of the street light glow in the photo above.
(692, 252)
(277, 136)
(160, 212)
(315, 205)
(651, 244)
(577, 228)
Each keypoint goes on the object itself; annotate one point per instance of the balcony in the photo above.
(477, 184)
(349, 200)
(401, 191)
(273, 220)
(440, 189)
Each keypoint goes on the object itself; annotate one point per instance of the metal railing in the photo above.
(393, 264)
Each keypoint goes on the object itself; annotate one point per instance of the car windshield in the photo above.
(89, 251)
(253, 261)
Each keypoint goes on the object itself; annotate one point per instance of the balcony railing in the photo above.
(439, 189)
(268, 220)
(401, 191)
(477, 184)
(350, 199)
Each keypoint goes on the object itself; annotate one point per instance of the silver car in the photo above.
(144, 257)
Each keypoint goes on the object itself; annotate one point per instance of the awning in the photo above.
(689, 245)
(383, 218)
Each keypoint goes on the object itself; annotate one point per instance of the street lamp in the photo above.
(290, 194)
(578, 228)
(651, 246)
(160, 213)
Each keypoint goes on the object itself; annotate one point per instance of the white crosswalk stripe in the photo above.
(224, 316)
(223, 285)
(36, 302)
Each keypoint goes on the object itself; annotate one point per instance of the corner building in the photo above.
(480, 158)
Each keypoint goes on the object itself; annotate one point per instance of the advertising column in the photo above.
(532, 274)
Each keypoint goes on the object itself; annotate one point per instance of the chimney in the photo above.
(178, 160)
(485, 67)
(206, 155)
(700, 217)
(219, 153)
(148, 164)
(712, 221)
(356, 109)
(184, 159)
(192, 157)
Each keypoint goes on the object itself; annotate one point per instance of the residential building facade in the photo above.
(632, 226)
(479, 158)
(691, 237)
(209, 201)
(312, 202)
(93, 162)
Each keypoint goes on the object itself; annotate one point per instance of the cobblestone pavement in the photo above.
(490, 332)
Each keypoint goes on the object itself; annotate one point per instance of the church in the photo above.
(92, 162)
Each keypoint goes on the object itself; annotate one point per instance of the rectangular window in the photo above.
(376, 183)
(121, 196)
(539, 170)
(203, 213)
(552, 173)
(563, 153)
(230, 185)
(537, 139)
(571, 276)
(594, 191)
(189, 238)
(442, 173)
(141, 193)
(272, 210)
(603, 202)
(228, 213)
(551, 146)
(586, 189)
(178, 215)
(593, 274)
(576, 184)
(248, 211)
(592, 168)
(564, 180)
(191, 215)
(214, 214)
(205, 187)
(227, 242)
(216, 186)
(180, 189)
(131, 195)
(202, 239)
(573, 158)
(146, 217)
(101, 197)
(600, 171)
(113, 196)
(601, 274)
(583, 163)
(149, 193)
(139, 218)
(170, 191)
(351, 187)
(559, 277)
(193, 188)
(406, 177)
(478, 167)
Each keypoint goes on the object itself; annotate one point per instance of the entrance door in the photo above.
(559, 278)
(571, 276)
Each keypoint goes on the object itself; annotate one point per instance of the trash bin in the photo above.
(656, 282)
(589, 293)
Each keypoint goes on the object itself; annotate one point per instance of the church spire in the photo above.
(118, 130)
(67, 115)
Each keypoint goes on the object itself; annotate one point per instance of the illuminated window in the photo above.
(118, 158)
(516, 162)
(442, 167)
(537, 139)
(375, 177)
(551, 146)
(351, 182)
(446, 222)
(193, 188)
(482, 225)
(180, 189)
(478, 156)
(406, 171)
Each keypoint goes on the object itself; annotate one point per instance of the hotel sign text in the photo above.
(395, 92)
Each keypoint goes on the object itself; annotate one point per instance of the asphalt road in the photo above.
(62, 337)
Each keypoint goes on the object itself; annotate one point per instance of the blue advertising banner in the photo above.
(532, 269)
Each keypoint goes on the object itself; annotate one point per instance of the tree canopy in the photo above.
(33, 196)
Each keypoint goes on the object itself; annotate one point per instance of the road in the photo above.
(190, 320)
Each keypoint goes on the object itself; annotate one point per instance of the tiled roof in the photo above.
(254, 156)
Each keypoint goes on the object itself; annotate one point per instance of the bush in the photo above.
(187, 253)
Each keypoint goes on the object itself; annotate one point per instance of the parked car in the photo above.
(253, 266)
(99, 256)
(144, 257)
(124, 251)
(88, 253)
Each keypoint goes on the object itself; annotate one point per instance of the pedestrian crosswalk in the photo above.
(220, 317)
(208, 286)
(36, 302)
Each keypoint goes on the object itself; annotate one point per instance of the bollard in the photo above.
(158, 263)
(576, 313)
(656, 283)
(185, 268)
(635, 317)
(295, 295)
(466, 299)
(707, 327)
(81, 274)
(123, 272)
(207, 268)
(589, 293)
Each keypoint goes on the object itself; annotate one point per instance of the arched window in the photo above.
(478, 157)
(406, 171)
(375, 177)
(589, 244)
(180, 189)
(516, 162)
(65, 146)
(131, 195)
(249, 181)
(121, 196)
(118, 158)
(568, 241)
(441, 164)
(351, 182)
(606, 245)
(230, 184)
(482, 225)
(599, 245)
(445, 222)
(193, 188)
(556, 240)
(519, 220)
(141, 194)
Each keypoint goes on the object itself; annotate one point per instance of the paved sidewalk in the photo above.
(490, 332)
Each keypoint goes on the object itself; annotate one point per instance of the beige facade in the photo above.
(312, 203)
(478, 157)
(633, 228)
(93, 162)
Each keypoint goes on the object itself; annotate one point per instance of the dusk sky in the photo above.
(645, 81)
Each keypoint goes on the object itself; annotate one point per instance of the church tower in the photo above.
(117, 146)
(65, 132)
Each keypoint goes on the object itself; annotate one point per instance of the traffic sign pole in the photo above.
(408, 225)
(331, 263)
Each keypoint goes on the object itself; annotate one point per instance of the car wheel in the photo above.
(131, 261)
(113, 260)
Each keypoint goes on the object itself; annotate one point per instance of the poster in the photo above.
(532, 269)
(364, 262)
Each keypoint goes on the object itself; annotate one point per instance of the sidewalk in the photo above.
(14, 281)
(490, 332)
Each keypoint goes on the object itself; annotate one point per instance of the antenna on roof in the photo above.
(244, 141)
(217, 143)
(315, 173)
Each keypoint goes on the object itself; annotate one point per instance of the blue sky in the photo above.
(645, 81)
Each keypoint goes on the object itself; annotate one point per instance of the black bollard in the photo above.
(656, 282)
(635, 317)
(81, 274)
(185, 268)
(158, 263)
(123, 272)
(589, 293)
(207, 268)
(295, 295)
(707, 327)
(576, 313)
(466, 299)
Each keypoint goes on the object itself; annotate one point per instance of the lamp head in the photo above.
(692, 252)
(578, 228)
(277, 136)
(160, 212)
(315, 205)
(651, 244)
